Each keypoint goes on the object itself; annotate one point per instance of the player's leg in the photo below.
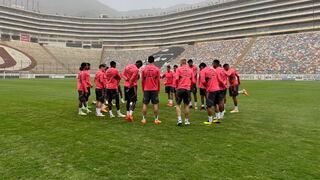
(186, 107)
(234, 94)
(221, 103)
(202, 97)
(81, 103)
(217, 107)
(119, 114)
(195, 97)
(121, 94)
(171, 96)
(110, 97)
(210, 104)
(99, 100)
(155, 102)
(178, 106)
(146, 101)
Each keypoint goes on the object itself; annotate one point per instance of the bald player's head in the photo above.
(183, 62)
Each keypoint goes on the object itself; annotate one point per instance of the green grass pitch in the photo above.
(276, 136)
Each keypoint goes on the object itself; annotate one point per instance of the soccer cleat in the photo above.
(156, 122)
(123, 101)
(120, 115)
(187, 123)
(179, 123)
(217, 121)
(129, 118)
(104, 110)
(190, 106)
(195, 108)
(100, 115)
(88, 110)
(245, 92)
(203, 108)
(143, 121)
(112, 116)
(234, 111)
(82, 113)
(207, 123)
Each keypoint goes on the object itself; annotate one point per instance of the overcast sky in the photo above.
(125, 5)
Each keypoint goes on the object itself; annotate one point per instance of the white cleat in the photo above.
(187, 123)
(88, 111)
(112, 116)
(120, 115)
(179, 123)
(123, 101)
(82, 113)
(100, 115)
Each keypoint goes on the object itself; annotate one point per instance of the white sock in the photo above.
(131, 113)
(128, 113)
(202, 105)
(80, 110)
(170, 101)
(179, 118)
(222, 114)
(236, 108)
(98, 110)
(217, 115)
(118, 112)
(110, 113)
(190, 104)
(210, 119)
(195, 104)
(186, 120)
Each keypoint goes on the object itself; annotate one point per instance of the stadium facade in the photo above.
(274, 37)
(235, 19)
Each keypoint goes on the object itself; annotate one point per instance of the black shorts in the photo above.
(213, 98)
(194, 89)
(169, 89)
(82, 96)
(203, 92)
(104, 91)
(112, 94)
(183, 95)
(130, 94)
(99, 95)
(152, 96)
(233, 91)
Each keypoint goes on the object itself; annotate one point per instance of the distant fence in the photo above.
(265, 77)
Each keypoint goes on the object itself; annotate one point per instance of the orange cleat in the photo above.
(129, 118)
(245, 92)
(144, 121)
(156, 122)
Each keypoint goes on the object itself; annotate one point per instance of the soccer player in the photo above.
(212, 81)
(169, 85)
(131, 77)
(82, 89)
(99, 80)
(112, 80)
(194, 85)
(89, 85)
(234, 83)
(221, 72)
(202, 88)
(151, 87)
(184, 79)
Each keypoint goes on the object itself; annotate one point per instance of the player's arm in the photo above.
(133, 78)
(238, 77)
(142, 80)
(158, 80)
(124, 75)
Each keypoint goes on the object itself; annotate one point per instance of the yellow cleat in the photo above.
(207, 123)
(234, 111)
(245, 92)
(217, 121)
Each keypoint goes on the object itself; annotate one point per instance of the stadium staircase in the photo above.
(245, 51)
(67, 69)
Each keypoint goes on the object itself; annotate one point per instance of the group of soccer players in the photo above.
(213, 81)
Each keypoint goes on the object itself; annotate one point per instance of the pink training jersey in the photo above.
(130, 76)
(150, 78)
(184, 78)
(233, 77)
(88, 78)
(212, 80)
(169, 79)
(223, 76)
(81, 82)
(201, 75)
(112, 78)
(99, 79)
(195, 71)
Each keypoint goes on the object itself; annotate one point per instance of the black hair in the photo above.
(175, 66)
(139, 63)
(102, 65)
(216, 61)
(82, 66)
(150, 59)
(112, 63)
(88, 64)
(190, 61)
(203, 65)
(225, 65)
